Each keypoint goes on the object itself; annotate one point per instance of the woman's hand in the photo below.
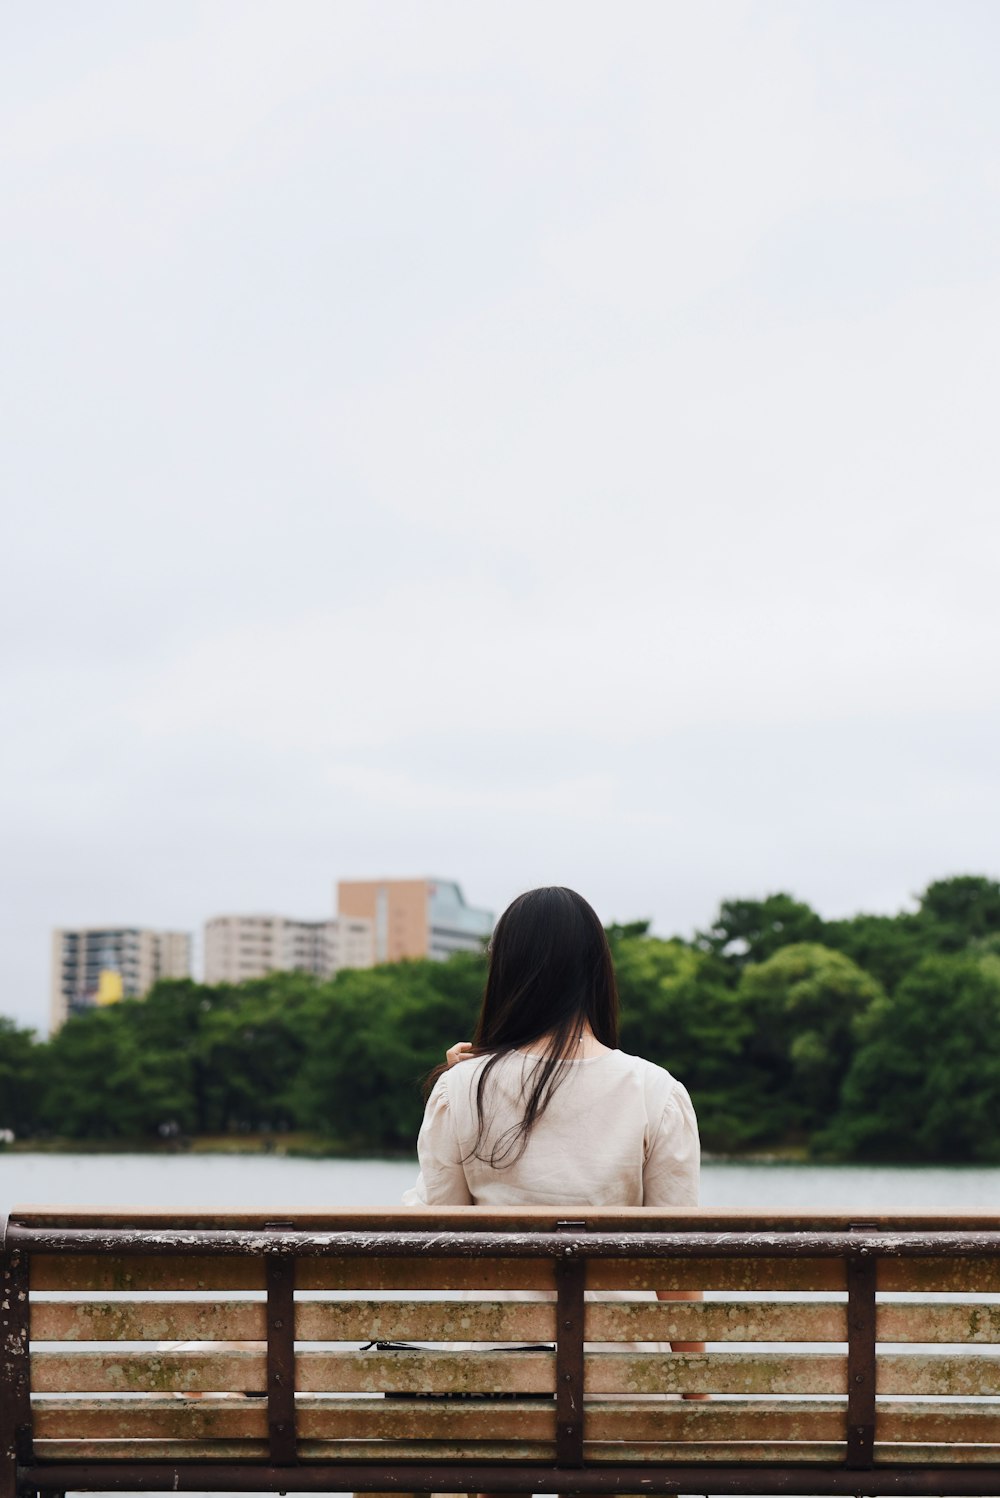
(460, 1052)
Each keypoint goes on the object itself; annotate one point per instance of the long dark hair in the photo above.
(550, 974)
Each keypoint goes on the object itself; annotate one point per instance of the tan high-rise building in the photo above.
(85, 958)
(238, 947)
(415, 917)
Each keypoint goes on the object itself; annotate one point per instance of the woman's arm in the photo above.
(684, 1346)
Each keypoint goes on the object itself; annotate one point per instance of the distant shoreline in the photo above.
(290, 1145)
(314, 1147)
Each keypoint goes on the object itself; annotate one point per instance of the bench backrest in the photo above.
(145, 1341)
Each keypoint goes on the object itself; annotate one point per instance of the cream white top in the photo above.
(618, 1131)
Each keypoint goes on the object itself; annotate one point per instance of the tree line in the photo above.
(872, 1038)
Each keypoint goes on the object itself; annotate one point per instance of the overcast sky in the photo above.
(519, 441)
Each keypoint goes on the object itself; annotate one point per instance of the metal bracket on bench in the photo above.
(570, 1279)
(861, 1354)
(281, 1426)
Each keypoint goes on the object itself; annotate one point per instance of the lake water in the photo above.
(268, 1181)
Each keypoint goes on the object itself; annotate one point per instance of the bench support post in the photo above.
(282, 1436)
(861, 1360)
(570, 1280)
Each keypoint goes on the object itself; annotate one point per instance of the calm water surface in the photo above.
(265, 1181)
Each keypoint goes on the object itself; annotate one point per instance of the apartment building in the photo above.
(94, 965)
(415, 917)
(238, 947)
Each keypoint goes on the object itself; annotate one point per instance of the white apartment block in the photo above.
(238, 947)
(139, 956)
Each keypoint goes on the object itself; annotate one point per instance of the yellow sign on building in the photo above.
(109, 987)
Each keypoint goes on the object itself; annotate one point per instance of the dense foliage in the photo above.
(871, 1038)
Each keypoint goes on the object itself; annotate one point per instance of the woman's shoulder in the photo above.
(657, 1082)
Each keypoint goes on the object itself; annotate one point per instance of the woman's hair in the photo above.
(550, 974)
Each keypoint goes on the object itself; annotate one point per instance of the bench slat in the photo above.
(596, 1452)
(429, 1320)
(470, 1321)
(92, 1272)
(957, 1321)
(148, 1321)
(515, 1450)
(228, 1369)
(223, 1417)
(981, 1276)
(89, 1272)
(940, 1373)
(146, 1372)
(716, 1274)
(716, 1321)
(510, 1321)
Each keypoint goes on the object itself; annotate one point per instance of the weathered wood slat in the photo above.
(232, 1369)
(716, 1373)
(332, 1321)
(150, 1451)
(86, 1272)
(927, 1422)
(429, 1320)
(597, 1452)
(90, 1272)
(148, 1321)
(639, 1420)
(223, 1417)
(942, 1275)
(938, 1373)
(425, 1274)
(602, 1452)
(716, 1274)
(958, 1321)
(427, 1372)
(943, 1456)
(147, 1372)
(717, 1321)
(519, 1450)
(440, 1321)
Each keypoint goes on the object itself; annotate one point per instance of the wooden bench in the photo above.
(845, 1357)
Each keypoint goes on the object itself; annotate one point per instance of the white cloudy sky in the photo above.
(522, 441)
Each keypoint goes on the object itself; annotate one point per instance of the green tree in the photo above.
(887, 946)
(102, 1083)
(957, 911)
(747, 931)
(925, 1079)
(802, 1006)
(20, 1061)
(677, 1012)
(249, 1049)
(372, 1036)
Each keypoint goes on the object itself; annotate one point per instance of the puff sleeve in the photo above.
(673, 1157)
(441, 1182)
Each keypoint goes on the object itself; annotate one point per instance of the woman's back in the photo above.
(617, 1131)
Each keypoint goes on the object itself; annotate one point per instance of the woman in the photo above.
(542, 1109)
